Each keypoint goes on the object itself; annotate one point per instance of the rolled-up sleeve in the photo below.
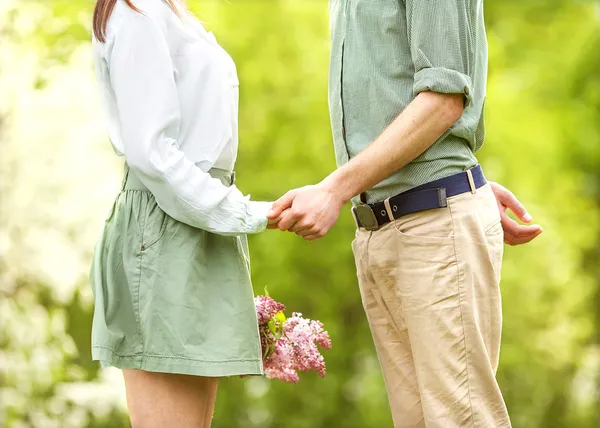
(441, 43)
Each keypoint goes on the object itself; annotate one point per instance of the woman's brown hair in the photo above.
(104, 9)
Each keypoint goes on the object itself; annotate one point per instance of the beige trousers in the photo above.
(429, 282)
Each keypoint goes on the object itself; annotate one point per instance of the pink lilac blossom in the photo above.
(267, 308)
(304, 335)
(294, 345)
(280, 365)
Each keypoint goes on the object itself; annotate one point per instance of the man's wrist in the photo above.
(334, 184)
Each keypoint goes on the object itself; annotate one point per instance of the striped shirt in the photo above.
(384, 53)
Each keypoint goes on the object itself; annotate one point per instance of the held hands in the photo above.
(309, 212)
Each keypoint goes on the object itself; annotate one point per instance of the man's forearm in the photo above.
(421, 123)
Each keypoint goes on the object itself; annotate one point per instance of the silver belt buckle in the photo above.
(366, 217)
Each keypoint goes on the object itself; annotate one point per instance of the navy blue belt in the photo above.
(428, 196)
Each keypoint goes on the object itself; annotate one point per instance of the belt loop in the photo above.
(471, 181)
(125, 176)
(355, 217)
(388, 209)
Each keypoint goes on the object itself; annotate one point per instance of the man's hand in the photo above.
(514, 233)
(309, 212)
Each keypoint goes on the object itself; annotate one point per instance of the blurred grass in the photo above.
(58, 177)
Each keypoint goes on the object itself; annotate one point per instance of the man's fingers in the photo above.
(524, 236)
(288, 221)
(302, 228)
(516, 234)
(299, 225)
(510, 227)
(307, 225)
(510, 201)
(313, 236)
(281, 204)
(305, 232)
(319, 234)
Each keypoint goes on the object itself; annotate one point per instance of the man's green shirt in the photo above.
(384, 53)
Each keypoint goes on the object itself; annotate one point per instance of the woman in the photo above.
(173, 299)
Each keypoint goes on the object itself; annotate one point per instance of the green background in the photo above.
(59, 177)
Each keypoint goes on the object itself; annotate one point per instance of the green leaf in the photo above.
(280, 316)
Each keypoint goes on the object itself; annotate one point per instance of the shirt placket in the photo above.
(345, 17)
(338, 11)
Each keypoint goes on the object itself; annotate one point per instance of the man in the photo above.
(406, 95)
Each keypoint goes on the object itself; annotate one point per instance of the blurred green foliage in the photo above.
(543, 142)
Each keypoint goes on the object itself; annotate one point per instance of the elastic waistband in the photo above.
(132, 182)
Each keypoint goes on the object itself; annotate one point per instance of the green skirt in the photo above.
(169, 297)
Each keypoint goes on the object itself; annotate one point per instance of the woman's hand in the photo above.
(274, 223)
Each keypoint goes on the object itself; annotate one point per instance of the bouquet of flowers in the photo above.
(289, 345)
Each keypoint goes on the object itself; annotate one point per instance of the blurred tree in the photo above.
(543, 124)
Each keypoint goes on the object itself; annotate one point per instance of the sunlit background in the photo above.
(58, 178)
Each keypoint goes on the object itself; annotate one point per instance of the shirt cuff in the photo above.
(257, 216)
(444, 81)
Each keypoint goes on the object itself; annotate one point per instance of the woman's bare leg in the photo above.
(158, 400)
(210, 404)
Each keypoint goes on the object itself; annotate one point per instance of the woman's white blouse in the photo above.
(171, 97)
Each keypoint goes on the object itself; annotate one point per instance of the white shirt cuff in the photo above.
(257, 216)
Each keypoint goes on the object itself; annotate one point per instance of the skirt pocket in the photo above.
(155, 224)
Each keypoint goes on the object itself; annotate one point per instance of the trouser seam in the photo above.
(462, 321)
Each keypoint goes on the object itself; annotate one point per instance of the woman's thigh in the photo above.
(158, 400)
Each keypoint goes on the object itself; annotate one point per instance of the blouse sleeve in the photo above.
(142, 78)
